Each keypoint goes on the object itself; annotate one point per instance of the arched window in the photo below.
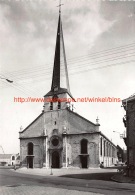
(30, 148)
(84, 144)
(13, 157)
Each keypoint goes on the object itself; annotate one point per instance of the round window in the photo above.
(55, 142)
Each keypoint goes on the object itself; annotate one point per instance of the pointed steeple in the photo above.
(56, 68)
(60, 80)
(60, 63)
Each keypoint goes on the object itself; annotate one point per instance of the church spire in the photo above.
(60, 81)
(56, 67)
(60, 72)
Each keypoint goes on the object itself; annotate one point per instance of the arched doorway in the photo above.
(30, 155)
(84, 162)
(84, 153)
(55, 160)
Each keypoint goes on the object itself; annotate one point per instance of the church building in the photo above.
(60, 137)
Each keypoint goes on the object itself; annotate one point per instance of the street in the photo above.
(12, 182)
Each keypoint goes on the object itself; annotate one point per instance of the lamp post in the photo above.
(51, 171)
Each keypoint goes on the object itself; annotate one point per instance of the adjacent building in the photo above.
(9, 159)
(60, 137)
(129, 122)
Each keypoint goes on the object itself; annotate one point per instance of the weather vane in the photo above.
(60, 6)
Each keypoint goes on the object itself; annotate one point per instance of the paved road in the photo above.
(14, 183)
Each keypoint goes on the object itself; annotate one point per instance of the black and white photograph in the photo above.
(67, 97)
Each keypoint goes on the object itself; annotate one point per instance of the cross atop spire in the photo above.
(60, 6)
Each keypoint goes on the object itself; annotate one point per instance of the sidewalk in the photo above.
(60, 172)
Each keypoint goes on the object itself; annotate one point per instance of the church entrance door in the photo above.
(55, 160)
(30, 162)
(84, 162)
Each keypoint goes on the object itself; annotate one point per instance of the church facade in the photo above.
(59, 137)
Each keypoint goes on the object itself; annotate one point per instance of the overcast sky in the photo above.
(100, 49)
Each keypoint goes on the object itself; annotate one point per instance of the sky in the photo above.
(100, 50)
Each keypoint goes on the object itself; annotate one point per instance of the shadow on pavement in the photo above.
(92, 176)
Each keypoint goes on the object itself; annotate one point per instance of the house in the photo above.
(9, 159)
(129, 123)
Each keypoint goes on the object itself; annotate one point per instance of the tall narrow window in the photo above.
(101, 146)
(112, 151)
(30, 148)
(59, 105)
(104, 149)
(109, 150)
(51, 105)
(84, 143)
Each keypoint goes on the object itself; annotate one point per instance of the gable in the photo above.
(35, 129)
(78, 124)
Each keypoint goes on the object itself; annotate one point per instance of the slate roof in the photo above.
(60, 91)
